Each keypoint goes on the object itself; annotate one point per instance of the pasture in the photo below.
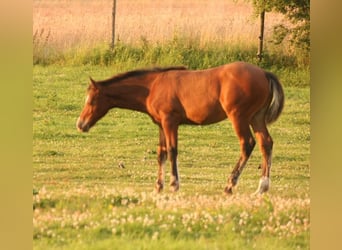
(82, 196)
(82, 199)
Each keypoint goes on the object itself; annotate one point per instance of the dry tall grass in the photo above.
(64, 24)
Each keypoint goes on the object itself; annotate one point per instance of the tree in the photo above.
(298, 14)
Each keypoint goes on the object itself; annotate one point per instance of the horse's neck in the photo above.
(130, 94)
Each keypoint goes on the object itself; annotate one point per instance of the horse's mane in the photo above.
(136, 73)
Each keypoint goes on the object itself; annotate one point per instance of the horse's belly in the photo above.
(205, 115)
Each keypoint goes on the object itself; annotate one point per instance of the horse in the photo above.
(250, 97)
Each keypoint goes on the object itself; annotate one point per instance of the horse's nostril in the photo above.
(82, 126)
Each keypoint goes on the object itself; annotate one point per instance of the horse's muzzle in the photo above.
(82, 126)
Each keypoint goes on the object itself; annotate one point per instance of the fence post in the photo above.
(261, 36)
(113, 24)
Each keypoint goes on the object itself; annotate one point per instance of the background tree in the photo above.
(298, 14)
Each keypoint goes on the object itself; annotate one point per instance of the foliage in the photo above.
(298, 14)
(167, 36)
(180, 51)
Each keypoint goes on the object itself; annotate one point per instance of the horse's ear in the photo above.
(93, 82)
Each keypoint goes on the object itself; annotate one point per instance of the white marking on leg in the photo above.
(161, 177)
(163, 172)
(264, 185)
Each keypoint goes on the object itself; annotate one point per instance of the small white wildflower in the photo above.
(124, 202)
(130, 219)
(220, 218)
(155, 236)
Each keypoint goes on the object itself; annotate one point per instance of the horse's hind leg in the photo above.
(247, 144)
(162, 157)
(265, 143)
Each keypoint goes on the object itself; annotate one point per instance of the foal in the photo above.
(246, 94)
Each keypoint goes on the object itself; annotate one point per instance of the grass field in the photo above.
(64, 29)
(83, 200)
(68, 24)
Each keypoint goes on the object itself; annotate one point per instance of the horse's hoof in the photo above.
(159, 187)
(228, 190)
(174, 186)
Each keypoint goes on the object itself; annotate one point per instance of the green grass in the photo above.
(83, 200)
(179, 51)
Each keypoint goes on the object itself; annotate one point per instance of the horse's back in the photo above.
(192, 96)
(207, 96)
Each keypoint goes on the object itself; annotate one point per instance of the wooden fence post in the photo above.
(113, 24)
(261, 36)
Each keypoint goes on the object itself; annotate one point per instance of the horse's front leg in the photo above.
(162, 157)
(174, 181)
(170, 128)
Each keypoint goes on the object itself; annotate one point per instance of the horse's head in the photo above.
(95, 107)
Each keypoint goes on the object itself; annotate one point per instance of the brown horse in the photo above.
(245, 93)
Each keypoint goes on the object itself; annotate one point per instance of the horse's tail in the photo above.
(276, 104)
